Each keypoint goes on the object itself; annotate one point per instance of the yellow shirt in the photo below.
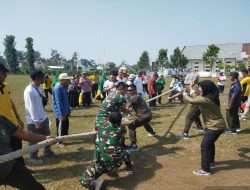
(5, 105)
(94, 79)
(246, 81)
(47, 85)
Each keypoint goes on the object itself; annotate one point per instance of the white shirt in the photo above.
(35, 112)
(138, 83)
(221, 81)
(108, 84)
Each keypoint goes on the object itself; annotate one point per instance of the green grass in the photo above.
(163, 162)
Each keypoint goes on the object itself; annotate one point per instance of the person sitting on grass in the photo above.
(109, 152)
(144, 116)
(209, 103)
(13, 172)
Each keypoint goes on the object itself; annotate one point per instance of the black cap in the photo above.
(3, 68)
(234, 74)
(36, 74)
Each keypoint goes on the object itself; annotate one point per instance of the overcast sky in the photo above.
(117, 30)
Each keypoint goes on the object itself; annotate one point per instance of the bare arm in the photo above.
(28, 136)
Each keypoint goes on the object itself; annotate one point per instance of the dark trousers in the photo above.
(208, 148)
(152, 103)
(221, 88)
(86, 99)
(94, 89)
(16, 144)
(233, 118)
(145, 87)
(73, 99)
(21, 178)
(64, 127)
(192, 116)
(138, 123)
(47, 91)
(159, 99)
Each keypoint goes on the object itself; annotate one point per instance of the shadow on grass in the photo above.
(243, 153)
(231, 165)
(145, 160)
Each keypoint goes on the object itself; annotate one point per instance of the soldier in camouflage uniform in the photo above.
(114, 102)
(109, 152)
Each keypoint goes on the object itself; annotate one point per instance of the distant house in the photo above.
(229, 54)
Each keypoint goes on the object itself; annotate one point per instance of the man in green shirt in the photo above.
(160, 83)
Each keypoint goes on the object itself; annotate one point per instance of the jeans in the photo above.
(208, 148)
(45, 130)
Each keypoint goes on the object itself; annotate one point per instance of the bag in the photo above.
(44, 99)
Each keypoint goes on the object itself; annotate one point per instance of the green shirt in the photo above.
(160, 83)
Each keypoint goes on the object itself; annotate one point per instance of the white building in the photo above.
(229, 54)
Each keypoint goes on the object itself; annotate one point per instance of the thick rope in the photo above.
(35, 147)
(149, 100)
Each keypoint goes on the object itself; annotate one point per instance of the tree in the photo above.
(74, 60)
(30, 54)
(162, 60)
(55, 56)
(20, 56)
(143, 63)
(178, 60)
(37, 55)
(10, 53)
(2, 60)
(211, 56)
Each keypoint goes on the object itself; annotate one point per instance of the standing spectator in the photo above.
(245, 85)
(209, 101)
(109, 85)
(101, 85)
(94, 87)
(119, 77)
(234, 102)
(136, 80)
(85, 85)
(8, 110)
(36, 118)
(144, 79)
(152, 89)
(124, 75)
(221, 82)
(14, 173)
(47, 86)
(60, 105)
(73, 94)
(172, 83)
(160, 83)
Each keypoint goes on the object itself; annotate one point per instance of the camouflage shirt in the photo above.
(109, 142)
(112, 103)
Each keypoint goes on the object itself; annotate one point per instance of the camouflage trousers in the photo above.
(101, 166)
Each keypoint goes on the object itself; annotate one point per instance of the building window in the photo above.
(196, 63)
(197, 67)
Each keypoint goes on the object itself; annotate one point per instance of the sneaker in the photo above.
(129, 169)
(36, 161)
(198, 129)
(60, 145)
(98, 184)
(242, 118)
(238, 130)
(230, 132)
(49, 154)
(153, 134)
(133, 147)
(201, 172)
(183, 136)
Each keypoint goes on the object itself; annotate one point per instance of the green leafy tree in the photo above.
(2, 60)
(211, 56)
(74, 60)
(178, 60)
(143, 62)
(10, 53)
(162, 60)
(55, 56)
(30, 54)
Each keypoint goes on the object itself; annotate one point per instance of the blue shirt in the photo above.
(60, 103)
(235, 89)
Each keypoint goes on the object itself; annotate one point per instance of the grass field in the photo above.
(162, 162)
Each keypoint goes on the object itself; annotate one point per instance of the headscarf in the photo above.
(210, 91)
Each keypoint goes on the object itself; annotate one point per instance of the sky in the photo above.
(120, 30)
